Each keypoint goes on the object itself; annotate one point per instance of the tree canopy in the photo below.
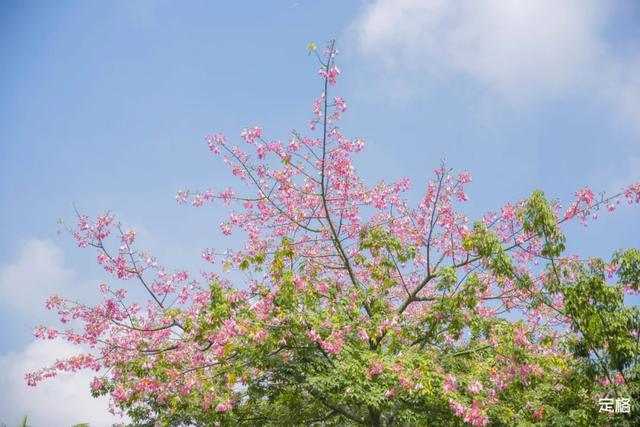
(360, 308)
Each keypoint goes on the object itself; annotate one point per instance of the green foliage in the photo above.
(628, 267)
(308, 385)
(486, 246)
(538, 219)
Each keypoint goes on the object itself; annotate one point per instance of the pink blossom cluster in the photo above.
(323, 241)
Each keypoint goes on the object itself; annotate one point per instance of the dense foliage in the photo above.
(359, 308)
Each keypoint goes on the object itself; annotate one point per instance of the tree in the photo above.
(358, 308)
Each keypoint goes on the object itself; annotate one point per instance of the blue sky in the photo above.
(105, 105)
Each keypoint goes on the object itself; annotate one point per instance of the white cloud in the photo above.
(516, 47)
(38, 272)
(61, 401)
(522, 50)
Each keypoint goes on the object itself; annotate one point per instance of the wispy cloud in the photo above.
(64, 400)
(37, 272)
(520, 50)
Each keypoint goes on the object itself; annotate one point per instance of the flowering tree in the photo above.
(358, 308)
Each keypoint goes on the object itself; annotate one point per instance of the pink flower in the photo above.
(226, 195)
(333, 73)
(331, 76)
(313, 336)
(406, 383)
(226, 228)
(475, 387)
(585, 195)
(632, 193)
(520, 338)
(209, 256)
(464, 177)
(224, 406)
(120, 394)
(322, 287)
(260, 336)
(332, 347)
(475, 416)
(250, 135)
(317, 107)
(450, 383)
(537, 415)
(375, 369)
(54, 301)
(97, 384)
(215, 142)
(457, 408)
